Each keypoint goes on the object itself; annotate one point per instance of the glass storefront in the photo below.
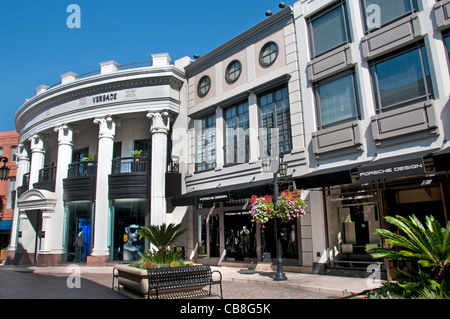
(79, 230)
(352, 218)
(229, 234)
(127, 216)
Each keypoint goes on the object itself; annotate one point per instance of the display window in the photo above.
(79, 230)
(352, 219)
(127, 217)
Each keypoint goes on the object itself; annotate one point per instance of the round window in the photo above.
(269, 53)
(203, 86)
(233, 71)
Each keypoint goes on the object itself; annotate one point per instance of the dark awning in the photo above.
(223, 194)
(394, 166)
(441, 160)
(327, 177)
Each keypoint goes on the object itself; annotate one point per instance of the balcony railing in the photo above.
(81, 169)
(135, 165)
(47, 174)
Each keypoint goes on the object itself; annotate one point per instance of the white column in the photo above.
(55, 221)
(159, 129)
(220, 138)
(23, 167)
(37, 158)
(253, 127)
(107, 129)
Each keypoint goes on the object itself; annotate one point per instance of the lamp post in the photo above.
(281, 170)
(4, 170)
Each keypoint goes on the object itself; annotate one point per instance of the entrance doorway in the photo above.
(79, 222)
(240, 236)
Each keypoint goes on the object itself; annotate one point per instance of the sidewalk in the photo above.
(324, 284)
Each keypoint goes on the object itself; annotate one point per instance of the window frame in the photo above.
(200, 86)
(317, 100)
(201, 137)
(309, 20)
(227, 72)
(414, 8)
(274, 113)
(429, 91)
(237, 125)
(263, 49)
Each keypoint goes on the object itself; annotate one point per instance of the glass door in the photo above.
(209, 236)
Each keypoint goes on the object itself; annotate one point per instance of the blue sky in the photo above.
(37, 46)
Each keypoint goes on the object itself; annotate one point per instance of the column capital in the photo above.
(160, 122)
(36, 143)
(65, 134)
(107, 127)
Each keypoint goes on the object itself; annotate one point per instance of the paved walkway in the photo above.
(316, 285)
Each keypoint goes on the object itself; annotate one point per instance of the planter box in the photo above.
(135, 281)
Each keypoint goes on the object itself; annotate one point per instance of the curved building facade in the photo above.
(93, 160)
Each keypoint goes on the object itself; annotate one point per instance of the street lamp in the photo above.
(281, 170)
(4, 170)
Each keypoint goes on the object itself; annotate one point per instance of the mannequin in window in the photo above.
(244, 239)
(79, 242)
(293, 243)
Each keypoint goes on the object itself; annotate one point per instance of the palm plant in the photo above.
(426, 247)
(161, 236)
(90, 158)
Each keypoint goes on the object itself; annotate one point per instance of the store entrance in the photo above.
(79, 222)
(240, 239)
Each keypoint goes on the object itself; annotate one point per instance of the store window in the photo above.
(79, 230)
(336, 99)
(275, 119)
(208, 236)
(240, 236)
(352, 218)
(328, 29)
(401, 79)
(236, 134)
(128, 215)
(378, 13)
(206, 143)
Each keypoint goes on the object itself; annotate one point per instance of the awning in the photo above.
(5, 224)
(223, 194)
(394, 166)
(327, 177)
(441, 160)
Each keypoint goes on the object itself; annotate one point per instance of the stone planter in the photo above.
(135, 281)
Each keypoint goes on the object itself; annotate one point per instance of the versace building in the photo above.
(95, 162)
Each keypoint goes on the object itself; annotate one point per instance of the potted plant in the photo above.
(134, 276)
(136, 153)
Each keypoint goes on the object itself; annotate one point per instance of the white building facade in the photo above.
(375, 94)
(352, 94)
(79, 175)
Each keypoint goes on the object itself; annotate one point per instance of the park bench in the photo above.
(182, 281)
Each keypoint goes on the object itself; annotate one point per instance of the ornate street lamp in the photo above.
(281, 170)
(4, 170)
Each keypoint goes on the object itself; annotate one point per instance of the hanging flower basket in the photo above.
(261, 209)
(289, 207)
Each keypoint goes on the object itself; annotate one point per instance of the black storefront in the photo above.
(358, 196)
(224, 232)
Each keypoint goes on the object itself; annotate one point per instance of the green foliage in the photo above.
(136, 152)
(90, 158)
(161, 236)
(426, 248)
